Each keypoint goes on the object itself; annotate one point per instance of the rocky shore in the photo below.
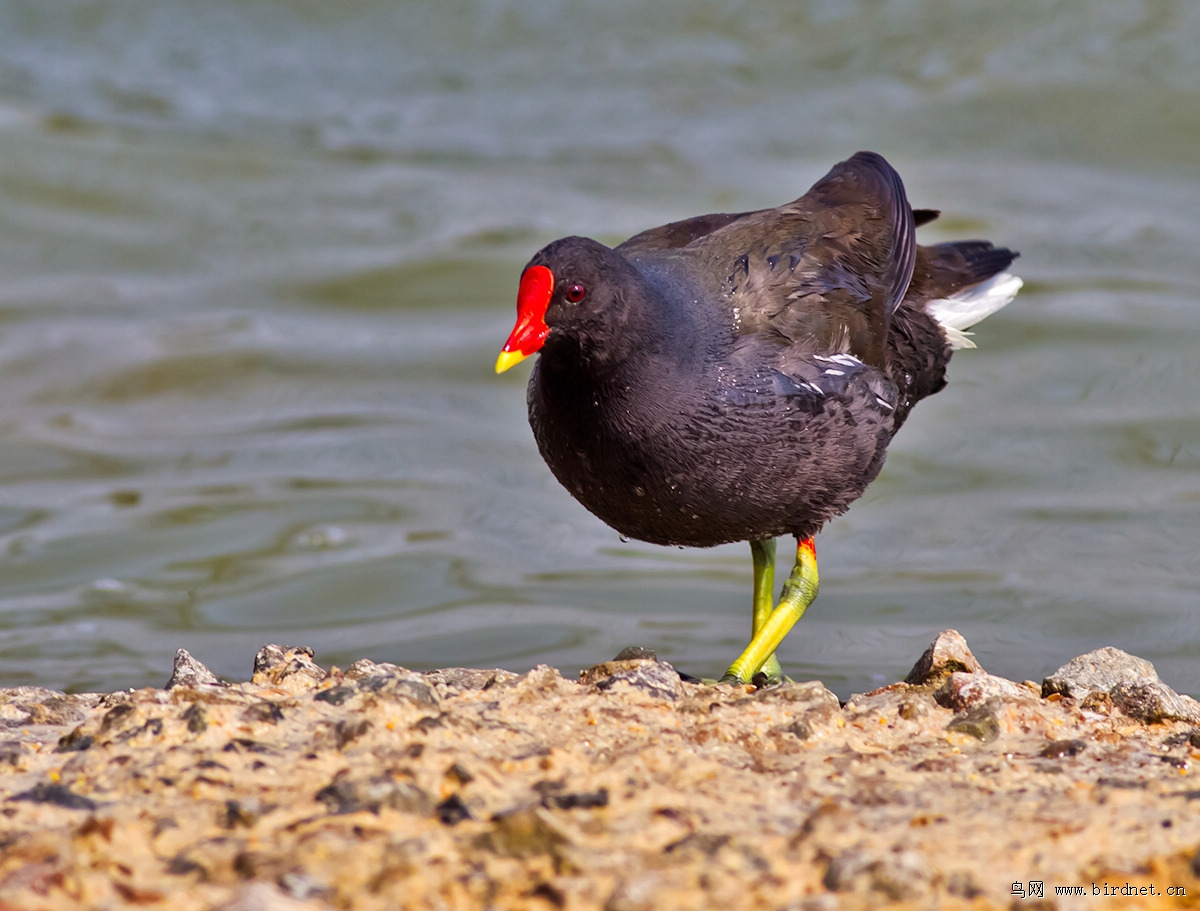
(375, 787)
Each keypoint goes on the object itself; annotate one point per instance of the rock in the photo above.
(190, 672)
(1100, 703)
(11, 754)
(542, 682)
(555, 796)
(1097, 671)
(75, 742)
(450, 680)
(118, 717)
(524, 832)
(815, 705)
(336, 695)
(632, 652)
(915, 708)
(237, 814)
(302, 887)
(406, 685)
(24, 705)
(264, 712)
(289, 666)
(657, 678)
(947, 654)
(899, 875)
(365, 667)
(196, 718)
(1130, 682)
(452, 810)
(962, 691)
(886, 699)
(810, 694)
(981, 722)
(964, 884)
(706, 843)
(1154, 702)
(1057, 749)
(28, 695)
(56, 710)
(58, 795)
(345, 732)
(13, 714)
(346, 794)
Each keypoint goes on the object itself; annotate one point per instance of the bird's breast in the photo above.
(707, 459)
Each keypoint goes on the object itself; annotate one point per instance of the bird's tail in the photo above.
(963, 309)
(961, 282)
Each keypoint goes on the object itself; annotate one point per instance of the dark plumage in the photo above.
(739, 376)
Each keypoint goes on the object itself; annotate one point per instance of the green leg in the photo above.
(763, 553)
(798, 593)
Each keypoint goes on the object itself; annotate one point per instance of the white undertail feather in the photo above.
(962, 310)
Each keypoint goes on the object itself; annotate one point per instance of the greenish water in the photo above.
(257, 260)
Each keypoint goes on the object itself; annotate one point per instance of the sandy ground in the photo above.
(380, 788)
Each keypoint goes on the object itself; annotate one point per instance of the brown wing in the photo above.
(678, 233)
(825, 271)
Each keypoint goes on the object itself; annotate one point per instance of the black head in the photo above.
(576, 291)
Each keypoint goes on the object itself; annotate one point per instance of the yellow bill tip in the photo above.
(508, 359)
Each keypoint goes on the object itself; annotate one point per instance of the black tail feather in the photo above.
(943, 269)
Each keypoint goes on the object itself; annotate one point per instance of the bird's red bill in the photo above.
(533, 297)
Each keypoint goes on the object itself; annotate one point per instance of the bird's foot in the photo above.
(762, 680)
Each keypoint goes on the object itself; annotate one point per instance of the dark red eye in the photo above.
(575, 293)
